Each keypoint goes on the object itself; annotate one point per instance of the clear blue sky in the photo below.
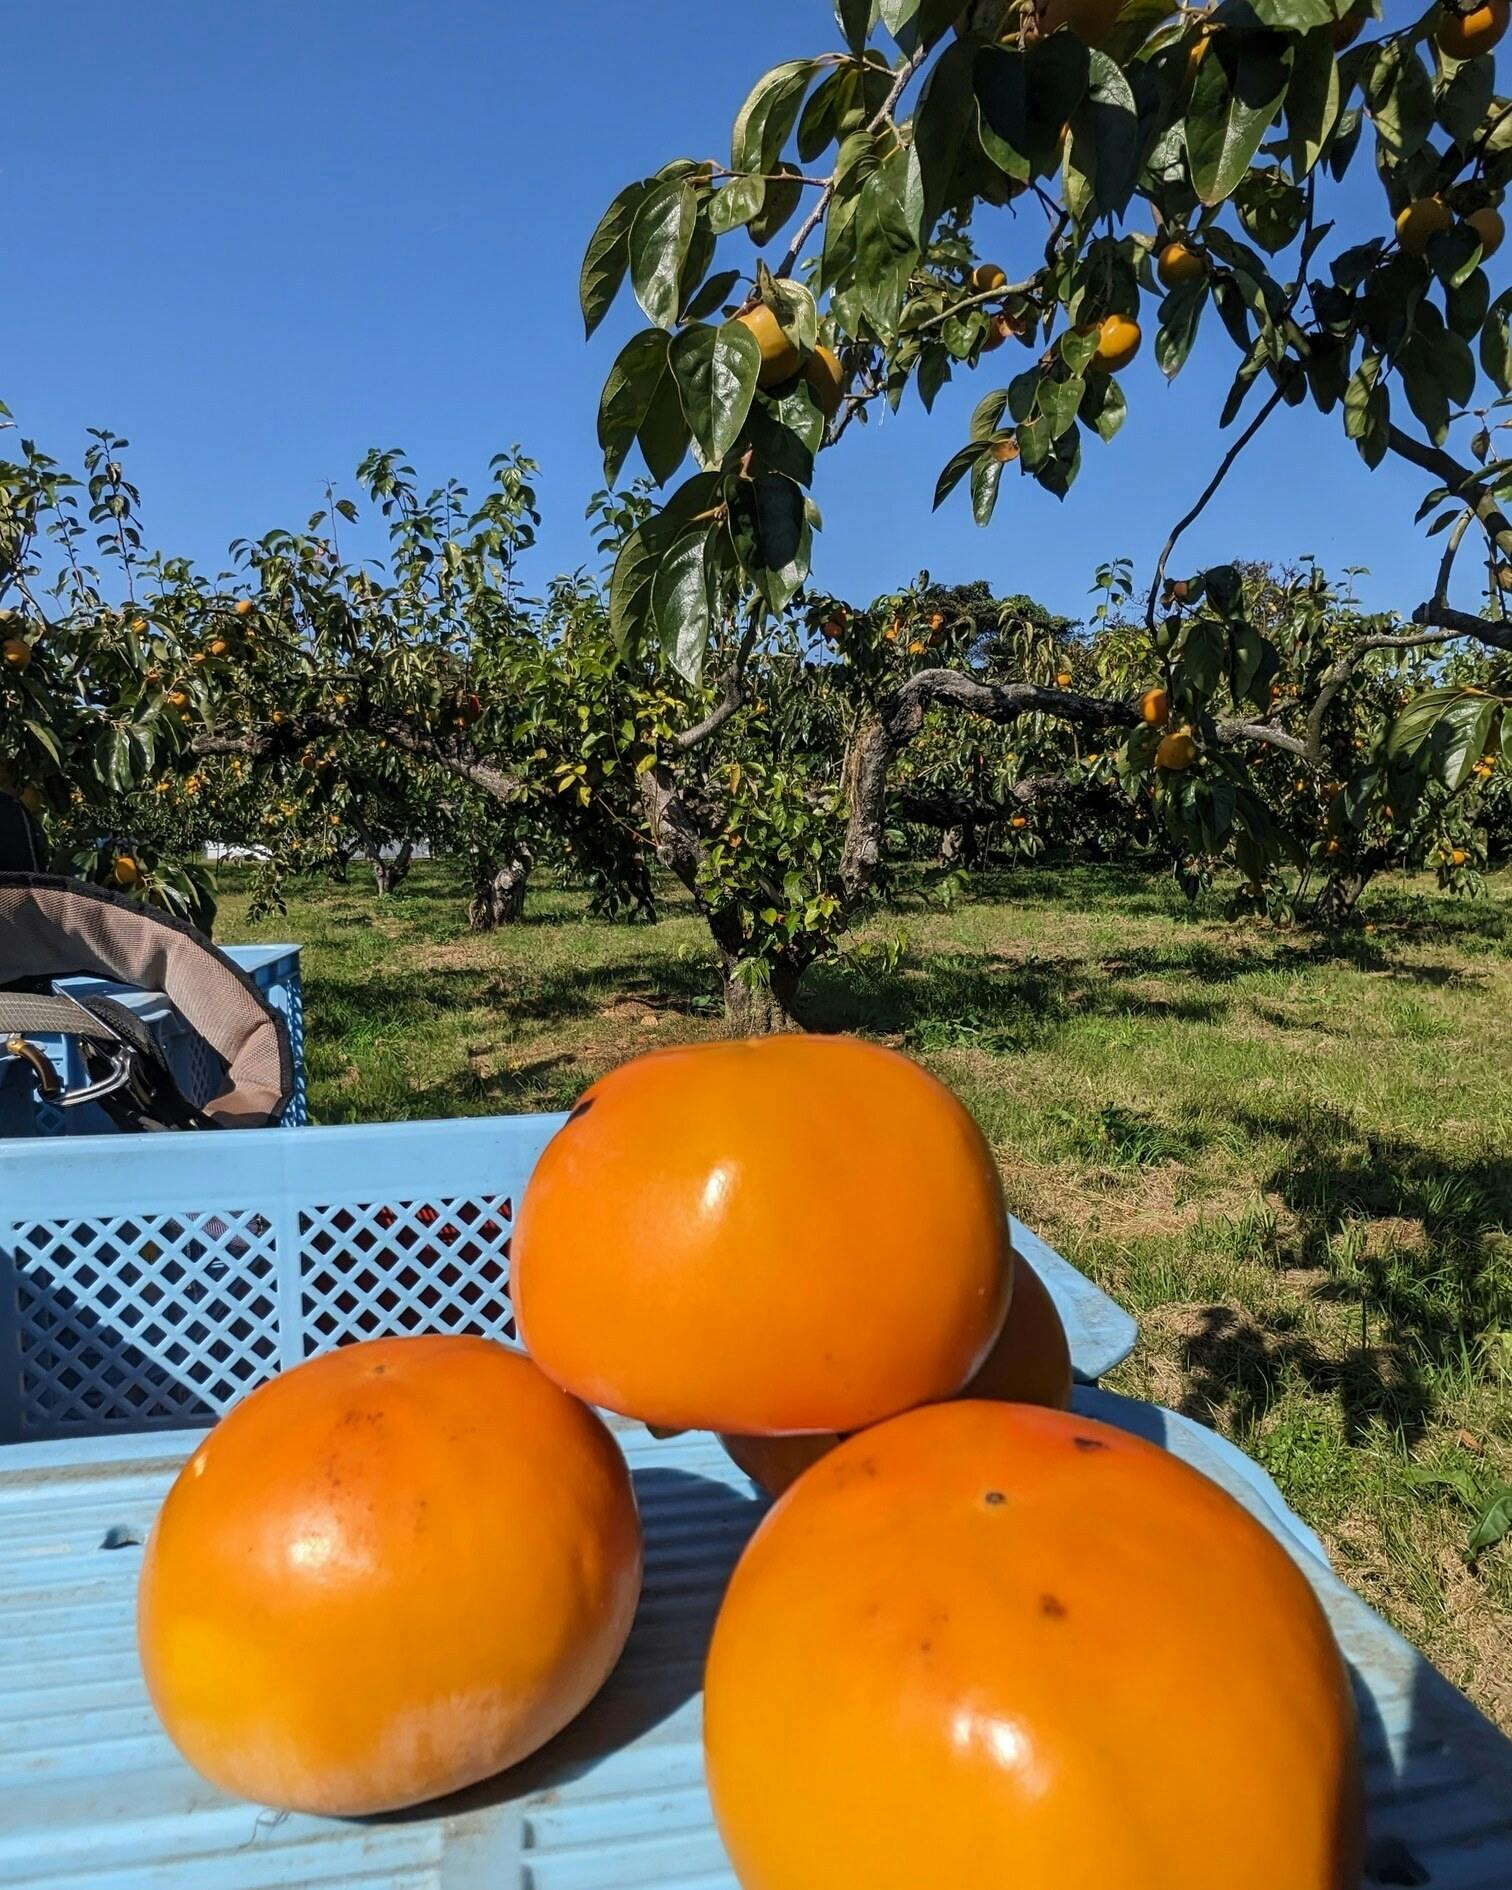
(258, 239)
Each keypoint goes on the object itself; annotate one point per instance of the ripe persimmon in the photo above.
(1177, 751)
(826, 379)
(795, 1233)
(780, 359)
(1420, 222)
(1489, 229)
(1155, 708)
(986, 277)
(1469, 34)
(16, 652)
(1118, 340)
(388, 1573)
(1178, 262)
(1030, 1364)
(988, 1644)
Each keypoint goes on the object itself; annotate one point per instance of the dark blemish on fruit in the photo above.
(1089, 1443)
(1056, 1609)
(993, 1498)
(926, 1647)
(582, 1109)
(380, 1371)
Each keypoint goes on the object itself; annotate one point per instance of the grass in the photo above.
(1289, 1157)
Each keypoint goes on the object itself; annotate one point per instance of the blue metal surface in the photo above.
(274, 969)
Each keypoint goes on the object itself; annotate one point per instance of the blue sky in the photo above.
(260, 239)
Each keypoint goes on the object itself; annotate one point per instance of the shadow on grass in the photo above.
(1411, 1243)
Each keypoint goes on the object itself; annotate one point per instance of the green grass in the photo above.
(1292, 1158)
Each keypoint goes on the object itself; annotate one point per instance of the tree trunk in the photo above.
(500, 896)
(960, 846)
(391, 874)
(1338, 896)
(760, 1007)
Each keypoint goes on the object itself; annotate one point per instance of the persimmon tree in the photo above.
(1126, 161)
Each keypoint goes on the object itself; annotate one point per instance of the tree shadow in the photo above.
(1408, 1241)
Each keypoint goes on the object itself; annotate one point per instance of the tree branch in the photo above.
(826, 196)
(729, 702)
(903, 711)
(1463, 482)
(1278, 393)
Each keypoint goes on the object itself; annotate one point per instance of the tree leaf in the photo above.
(1399, 98)
(1059, 402)
(1105, 136)
(1495, 1519)
(1103, 405)
(663, 436)
(1180, 314)
(986, 477)
(1271, 207)
(887, 246)
(608, 256)
(1235, 97)
(1465, 98)
(819, 127)
(784, 191)
(630, 588)
(855, 19)
(987, 415)
(1459, 738)
(1312, 99)
(1295, 16)
(782, 538)
(1000, 82)
(660, 239)
(627, 396)
(714, 294)
(944, 121)
(681, 608)
(1496, 342)
(1203, 659)
(956, 469)
(1367, 410)
(739, 201)
(765, 121)
(716, 371)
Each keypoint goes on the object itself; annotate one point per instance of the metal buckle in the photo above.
(122, 1063)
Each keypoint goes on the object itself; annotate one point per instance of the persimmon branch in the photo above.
(1277, 395)
(1463, 482)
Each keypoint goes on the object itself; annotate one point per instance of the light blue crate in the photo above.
(149, 1281)
(274, 969)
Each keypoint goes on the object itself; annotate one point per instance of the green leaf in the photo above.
(1295, 16)
(784, 191)
(627, 396)
(1417, 721)
(986, 477)
(660, 238)
(716, 371)
(1465, 98)
(1312, 99)
(1059, 402)
(782, 538)
(956, 469)
(44, 738)
(1496, 1518)
(664, 435)
(1459, 739)
(1496, 342)
(1000, 81)
(1103, 405)
(1204, 653)
(714, 294)
(768, 115)
(630, 588)
(1270, 207)
(855, 19)
(1466, 304)
(887, 246)
(944, 120)
(819, 127)
(681, 607)
(1399, 98)
(1180, 314)
(739, 201)
(608, 256)
(1367, 410)
(1105, 136)
(1235, 98)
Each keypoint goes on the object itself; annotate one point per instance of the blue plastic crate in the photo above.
(274, 969)
(148, 1281)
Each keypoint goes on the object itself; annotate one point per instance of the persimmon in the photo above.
(1063, 678)
(33, 801)
(1155, 708)
(986, 1644)
(1118, 339)
(1092, 21)
(1030, 1364)
(1420, 222)
(986, 277)
(1177, 751)
(998, 331)
(244, 607)
(1458, 856)
(690, 1253)
(826, 379)
(1489, 229)
(16, 652)
(780, 359)
(1477, 30)
(124, 870)
(1005, 452)
(1178, 262)
(386, 1574)
(1019, 822)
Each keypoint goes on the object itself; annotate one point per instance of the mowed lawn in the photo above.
(1292, 1159)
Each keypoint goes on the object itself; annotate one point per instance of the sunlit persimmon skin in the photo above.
(387, 1574)
(1031, 1362)
(796, 1233)
(986, 1646)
